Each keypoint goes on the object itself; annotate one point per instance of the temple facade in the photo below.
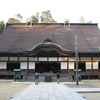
(50, 48)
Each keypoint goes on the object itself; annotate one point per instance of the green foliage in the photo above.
(1, 26)
(47, 17)
(34, 19)
(13, 20)
(19, 17)
(44, 18)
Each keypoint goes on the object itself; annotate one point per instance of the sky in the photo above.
(60, 9)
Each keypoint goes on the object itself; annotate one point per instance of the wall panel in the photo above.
(23, 65)
(63, 65)
(3, 65)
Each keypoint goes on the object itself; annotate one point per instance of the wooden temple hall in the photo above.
(50, 48)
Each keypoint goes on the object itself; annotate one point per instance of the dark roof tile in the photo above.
(18, 37)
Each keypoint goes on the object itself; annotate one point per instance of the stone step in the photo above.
(64, 78)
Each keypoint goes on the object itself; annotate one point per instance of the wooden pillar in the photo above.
(67, 65)
(27, 68)
(27, 65)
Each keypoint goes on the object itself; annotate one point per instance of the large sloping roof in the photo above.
(19, 37)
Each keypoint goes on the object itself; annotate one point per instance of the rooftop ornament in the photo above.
(66, 21)
(47, 41)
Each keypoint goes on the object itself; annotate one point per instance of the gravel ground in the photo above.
(92, 96)
(8, 89)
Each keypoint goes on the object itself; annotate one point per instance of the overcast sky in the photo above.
(60, 9)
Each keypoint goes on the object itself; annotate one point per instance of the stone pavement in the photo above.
(48, 91)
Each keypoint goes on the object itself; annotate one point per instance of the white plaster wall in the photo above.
(86, 58)
(3, 65)
(88, 65)
(63, 65)
(13, 58)
(52, 58)
(62, 58)
(22, 58)
(95, 65)
(42, 58)
(96, 58)
(32, 58)
(72, 58)
(4, 58)
(23, 65)
(31, 65)
(71, 65)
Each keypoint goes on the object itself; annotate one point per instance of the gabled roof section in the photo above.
(48, 49)
(19, 37)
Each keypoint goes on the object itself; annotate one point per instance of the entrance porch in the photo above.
(47, 67)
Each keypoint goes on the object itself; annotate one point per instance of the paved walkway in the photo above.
(48, 91)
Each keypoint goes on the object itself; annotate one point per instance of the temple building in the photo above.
(50, 48)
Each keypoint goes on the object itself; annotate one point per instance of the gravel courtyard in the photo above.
(8, 89)
(92, 96)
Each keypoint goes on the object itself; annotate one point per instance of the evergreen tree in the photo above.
(47, 17)
(19, 17)
(44, 18)
(13, 20)
(1, 26)
(35, 18)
